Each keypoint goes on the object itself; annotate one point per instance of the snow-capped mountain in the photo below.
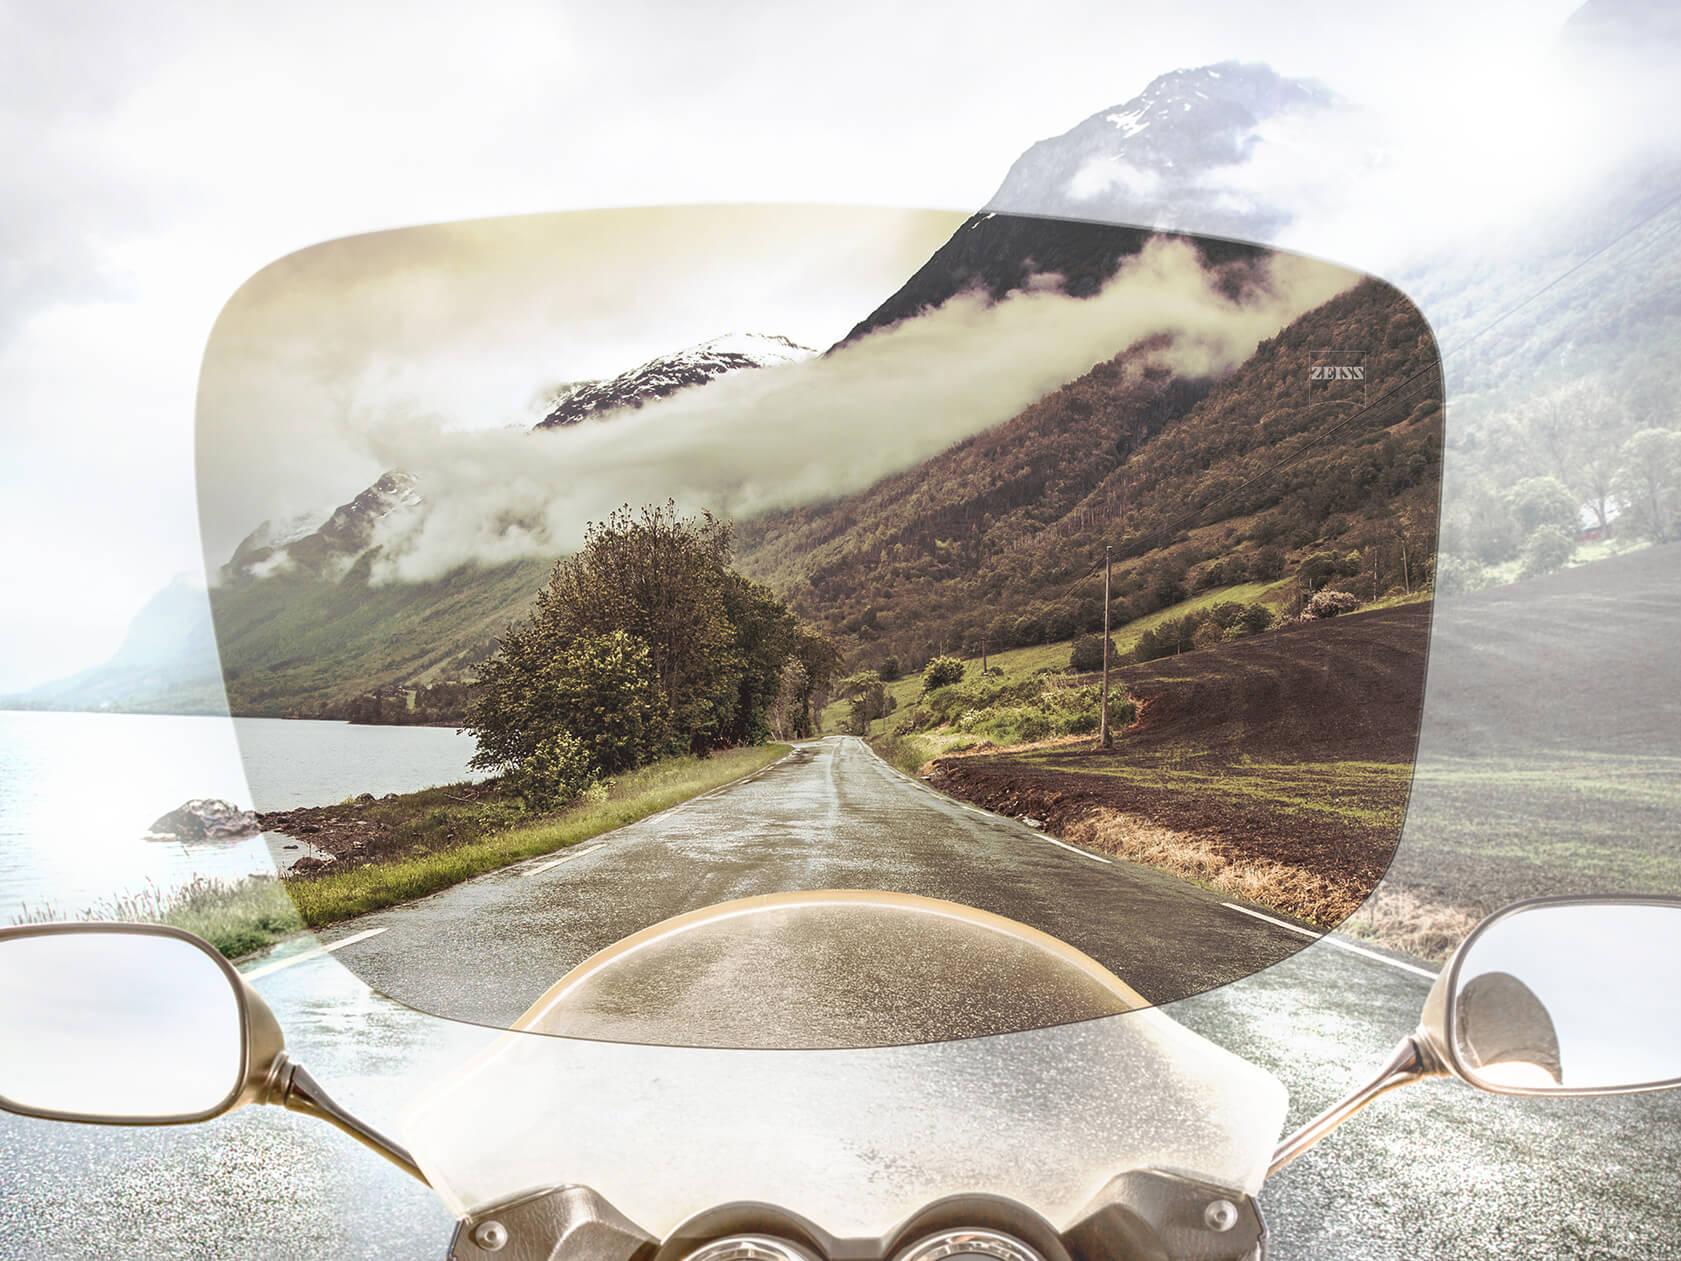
(1149, 161)
(667, 374)
(327, 549)
(330, 547)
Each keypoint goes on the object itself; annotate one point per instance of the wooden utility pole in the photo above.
(983, 652)
(1105, 738)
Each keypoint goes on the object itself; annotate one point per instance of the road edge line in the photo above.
(318, 951)
(972, 808)
(1338, 942)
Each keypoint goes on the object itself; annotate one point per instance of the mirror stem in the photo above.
(1412, 1061)
(295, 1090)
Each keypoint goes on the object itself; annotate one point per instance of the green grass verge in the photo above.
(235, 917)
(239, 918)
(342, 895)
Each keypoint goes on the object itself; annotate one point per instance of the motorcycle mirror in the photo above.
(127, 1024)
(1564, 996)
(1552, 996)
(143, 1024)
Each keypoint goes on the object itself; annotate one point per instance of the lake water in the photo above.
(78, 793)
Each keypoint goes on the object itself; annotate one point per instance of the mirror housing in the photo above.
(265, 1073)
(1518, 1019)
(262, 1045)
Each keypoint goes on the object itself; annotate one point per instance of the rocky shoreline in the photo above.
(364, 829)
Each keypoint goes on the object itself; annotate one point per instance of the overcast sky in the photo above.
(158, 155)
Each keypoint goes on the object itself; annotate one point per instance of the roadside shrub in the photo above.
(1004, 713)
(1329, 604)
(556, 774)
(1547, 549)
(942, 672)
(1087, 654)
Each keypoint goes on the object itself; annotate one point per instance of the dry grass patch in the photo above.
(1299, 891)
(1402, 920)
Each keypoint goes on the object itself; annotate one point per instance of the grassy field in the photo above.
(1273, 768)
(1485, 831)
(448, 838)
(1020, 663)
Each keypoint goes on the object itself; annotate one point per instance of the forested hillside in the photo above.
(1195, 483)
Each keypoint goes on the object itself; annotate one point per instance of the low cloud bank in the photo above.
(784, 436)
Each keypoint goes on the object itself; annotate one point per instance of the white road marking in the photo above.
(1075, 849)
(1338, 942)
(314, 952)
(577, 853)
(1294, 928)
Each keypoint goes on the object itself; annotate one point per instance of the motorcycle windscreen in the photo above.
(581, 571)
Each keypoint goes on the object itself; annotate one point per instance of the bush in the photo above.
(889, 669)
(1207, 635)
(1547, 549)
(1459, 575)
(1088, 654)
(556, 774)
(1254, 619)
(1225, 614)
(1329, 604)
(941, 672)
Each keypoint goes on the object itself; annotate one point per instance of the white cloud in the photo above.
(784, 436)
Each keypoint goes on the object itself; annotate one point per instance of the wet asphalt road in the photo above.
(832, 815)
(1434, 1171)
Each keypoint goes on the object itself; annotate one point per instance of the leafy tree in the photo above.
(788, 712)
(763, 641)
(1319, 569)
(642, 643)
(1254, 619)
(1649, 483)
(889, 669)
(867, 697)
(664, 579)
(1154, 643)
(1481, 524)
(1458, 575)
(941, 672)
(1225, 613)
(1543, 501)
(1547, 549)
(599, 689)
(1087, 654)
(558, 771)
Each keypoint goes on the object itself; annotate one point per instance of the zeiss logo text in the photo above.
(1323, 373)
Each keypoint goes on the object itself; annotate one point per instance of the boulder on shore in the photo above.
(206, 819)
